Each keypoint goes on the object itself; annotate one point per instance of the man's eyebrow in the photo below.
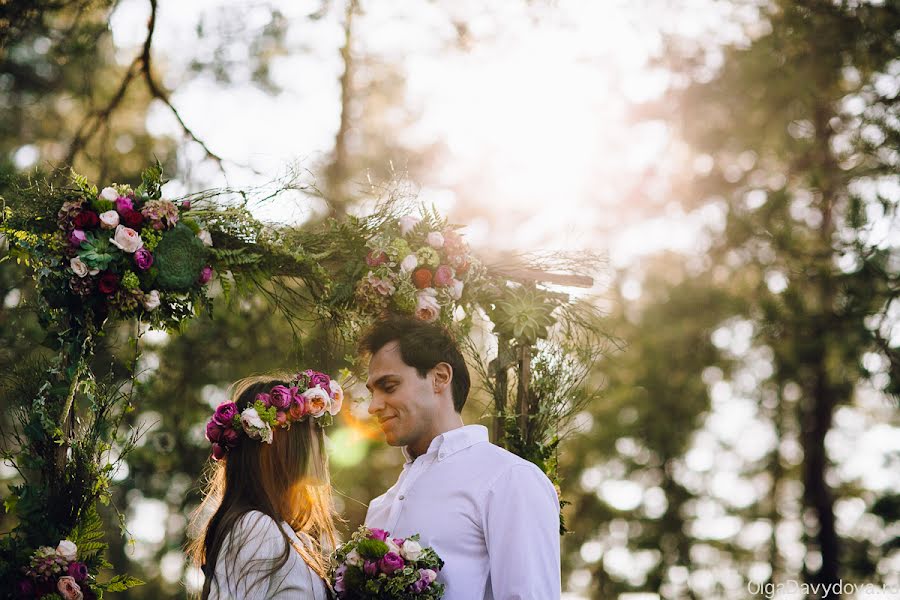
(380, 382)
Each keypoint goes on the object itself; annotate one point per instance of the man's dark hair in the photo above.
(422, 346)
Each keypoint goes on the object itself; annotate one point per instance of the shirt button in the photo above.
(402, 497)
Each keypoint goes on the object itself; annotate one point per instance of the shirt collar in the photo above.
(451, 442)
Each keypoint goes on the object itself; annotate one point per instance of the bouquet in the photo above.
(374, 566)
(416, 266)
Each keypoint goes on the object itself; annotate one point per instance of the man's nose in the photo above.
(375, 405)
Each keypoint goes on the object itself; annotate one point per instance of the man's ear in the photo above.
(443, 375)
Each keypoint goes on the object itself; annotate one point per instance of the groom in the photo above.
(492, 516)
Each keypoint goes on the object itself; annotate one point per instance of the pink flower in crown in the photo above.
(297, 411)
(213, 431)
(218, 451)
(298, 404)
(281, 418)
(317, 401)
(230, 437)
(337, 397)
(318, 379)
(266, 399)
(280, 397)
(225, 413)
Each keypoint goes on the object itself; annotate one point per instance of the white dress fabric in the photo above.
(240, 574)
(492, 516)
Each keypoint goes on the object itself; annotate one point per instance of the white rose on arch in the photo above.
(67, 549)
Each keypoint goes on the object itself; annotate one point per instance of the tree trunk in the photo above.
(337, 172)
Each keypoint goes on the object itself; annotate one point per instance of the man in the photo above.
(492, 516)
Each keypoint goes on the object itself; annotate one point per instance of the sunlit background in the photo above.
(546, 126)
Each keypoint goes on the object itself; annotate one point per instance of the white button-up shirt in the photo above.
(491, 516)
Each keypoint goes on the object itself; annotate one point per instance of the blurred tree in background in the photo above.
(786, 320)
(722, 449)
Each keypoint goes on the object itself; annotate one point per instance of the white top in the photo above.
(238, 577)
(492, 516)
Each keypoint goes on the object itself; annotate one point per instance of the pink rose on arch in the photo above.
(376, 259)
(382, 286)
(143, 259)
(225, 413)
(124, 205)
(280, 397)
(443, 276)
(378, 534)
(391, 562)
(78, 571)
(76, 237)
(435, 239)
(205, 275)
(427, 307)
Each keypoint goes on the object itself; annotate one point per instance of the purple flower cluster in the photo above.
(223, 430)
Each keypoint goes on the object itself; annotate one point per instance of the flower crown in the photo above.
(308, 394)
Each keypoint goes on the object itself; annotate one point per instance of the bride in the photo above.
(272, 525)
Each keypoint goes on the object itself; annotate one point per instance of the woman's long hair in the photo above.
(286, 480)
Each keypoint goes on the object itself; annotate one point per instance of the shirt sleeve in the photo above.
(521, 530)
(249, 553)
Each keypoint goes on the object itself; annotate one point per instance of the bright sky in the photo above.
(534, 114)
(541, 153)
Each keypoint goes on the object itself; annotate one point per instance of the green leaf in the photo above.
(9, 505)
(120, 583)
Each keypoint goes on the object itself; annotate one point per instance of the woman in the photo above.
(273, 527)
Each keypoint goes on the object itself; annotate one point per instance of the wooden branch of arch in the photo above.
(524, 274)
